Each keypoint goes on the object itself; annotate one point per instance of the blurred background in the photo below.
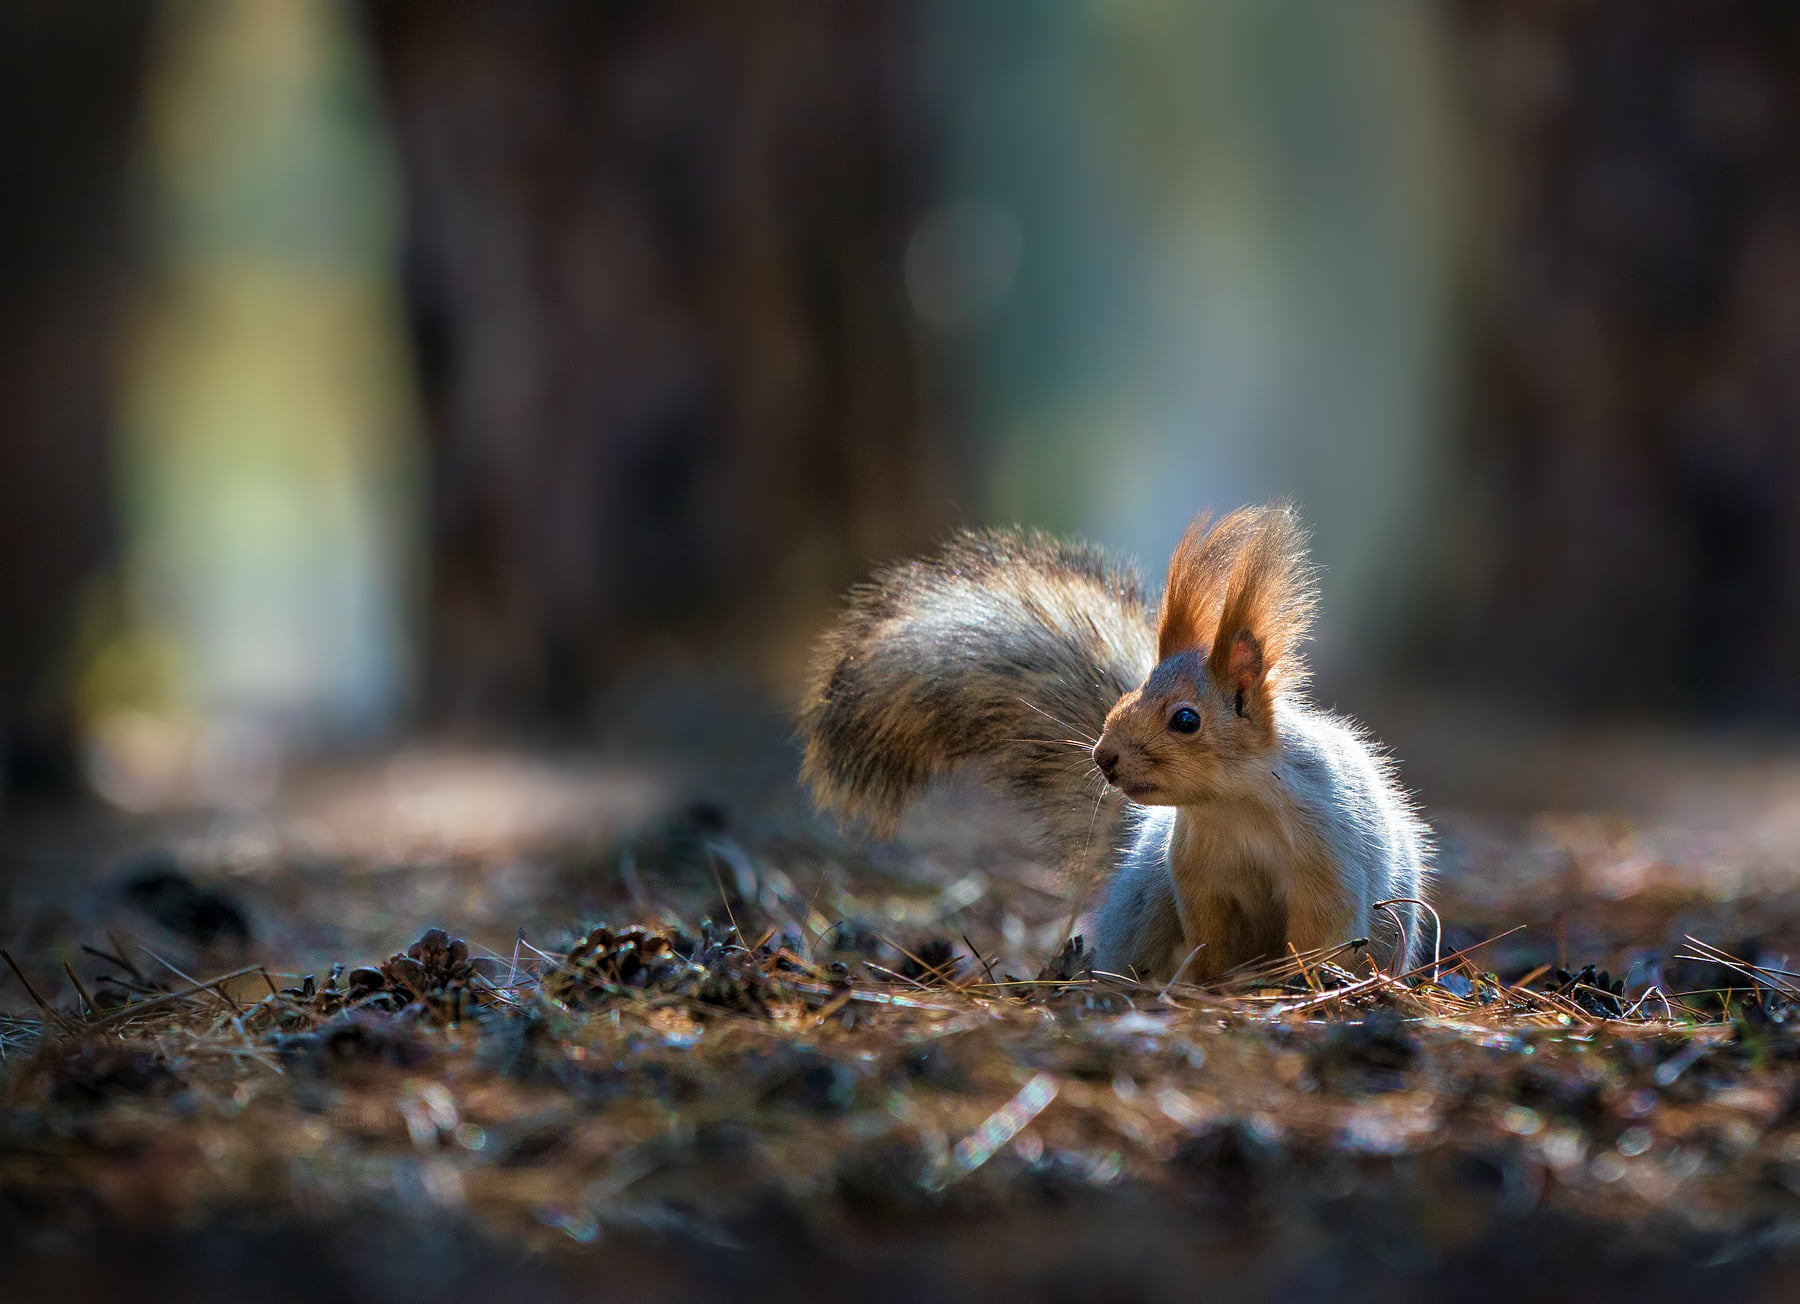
(433, 431)
(400, 368)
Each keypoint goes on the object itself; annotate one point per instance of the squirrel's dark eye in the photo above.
(1185, 720)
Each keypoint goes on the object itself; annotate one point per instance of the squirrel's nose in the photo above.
(1107, 758)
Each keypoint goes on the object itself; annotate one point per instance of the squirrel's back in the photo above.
(1003, 648)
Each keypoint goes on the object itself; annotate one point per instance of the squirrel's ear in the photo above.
(1241, 588)
(1267, 606)
(1245, 674)
(1240, 660)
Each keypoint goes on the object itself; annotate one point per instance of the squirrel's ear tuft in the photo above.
(1198, 574)
(1246, 570)
(1266, 610)
(1241, 589)
(1179, 621)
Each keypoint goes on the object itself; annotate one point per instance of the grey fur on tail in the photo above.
(1004, 649)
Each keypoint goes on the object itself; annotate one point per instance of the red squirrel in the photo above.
(1238, 819)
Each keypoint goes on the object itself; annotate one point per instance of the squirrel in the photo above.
(1173, 746)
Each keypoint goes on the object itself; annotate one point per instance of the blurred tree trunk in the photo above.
(654, 257)
(1637, 392)
(71, 76)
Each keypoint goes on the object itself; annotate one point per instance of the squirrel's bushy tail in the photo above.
(1005, 649)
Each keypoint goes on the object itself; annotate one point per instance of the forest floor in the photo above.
(239, 1063)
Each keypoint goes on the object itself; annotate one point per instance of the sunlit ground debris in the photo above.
(881, 1067)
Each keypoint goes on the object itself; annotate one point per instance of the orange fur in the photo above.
(1241, 588)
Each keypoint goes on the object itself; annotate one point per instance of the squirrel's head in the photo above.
(1238, 603)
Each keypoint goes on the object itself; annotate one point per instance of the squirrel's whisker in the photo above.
(1053, 720)
(1093, 819)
